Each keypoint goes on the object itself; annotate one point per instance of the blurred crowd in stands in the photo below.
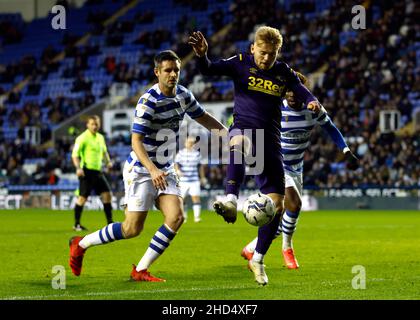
(363, 72)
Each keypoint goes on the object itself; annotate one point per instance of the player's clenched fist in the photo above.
(314, 106)
(198, 43)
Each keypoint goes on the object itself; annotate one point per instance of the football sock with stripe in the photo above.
(288, 225)
(109, 233)
(160, 241)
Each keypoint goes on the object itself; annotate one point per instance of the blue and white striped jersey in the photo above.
(296, 126)
(158, 118)
(188, 162)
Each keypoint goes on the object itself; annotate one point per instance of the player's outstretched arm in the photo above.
(303, 94)
(223, 67)
(211, 123)
(199, 44)
(335, 134)
(314, 106)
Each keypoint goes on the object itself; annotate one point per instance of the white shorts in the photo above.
(295, 181)
(141, 194)
(191, 188)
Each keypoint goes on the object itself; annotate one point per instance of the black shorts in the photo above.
(93, 180)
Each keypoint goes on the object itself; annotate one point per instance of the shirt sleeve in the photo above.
(223, 67)
(78, 147)
(326, 123)
(104, 144)
(294, 84)
(194, 109)
(143, 116)
(289, 75)
(323, 117)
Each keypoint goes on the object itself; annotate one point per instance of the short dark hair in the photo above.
(165, 55)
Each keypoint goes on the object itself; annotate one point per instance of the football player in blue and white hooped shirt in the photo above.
(149, 174)
(296, 126)
(188, 164)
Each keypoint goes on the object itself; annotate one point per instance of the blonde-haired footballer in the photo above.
(260, 83)
(297, 123)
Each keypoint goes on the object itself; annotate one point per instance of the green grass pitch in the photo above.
(203, 262)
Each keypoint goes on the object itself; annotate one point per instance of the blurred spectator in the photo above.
(81, 84)
(365, 72)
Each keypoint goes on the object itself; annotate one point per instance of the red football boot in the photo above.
(76, 255)
(289, 259)
(144, 275)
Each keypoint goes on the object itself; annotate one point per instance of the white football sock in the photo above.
(258, 257)
(232, 197)
(197, 211)
(251, 246)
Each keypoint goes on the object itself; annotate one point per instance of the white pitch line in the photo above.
(123, 292)
(89, 294)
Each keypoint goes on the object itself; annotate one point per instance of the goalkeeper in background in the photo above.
(296, 125)
(88, 153)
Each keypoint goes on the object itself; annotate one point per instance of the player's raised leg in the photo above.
(171, 207)
(131, 227)
(239, 147)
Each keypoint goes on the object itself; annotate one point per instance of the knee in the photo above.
(280, 207)
(81, 201)
(106, 197)
(175, 221)
(295, 206)
(241, 144)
